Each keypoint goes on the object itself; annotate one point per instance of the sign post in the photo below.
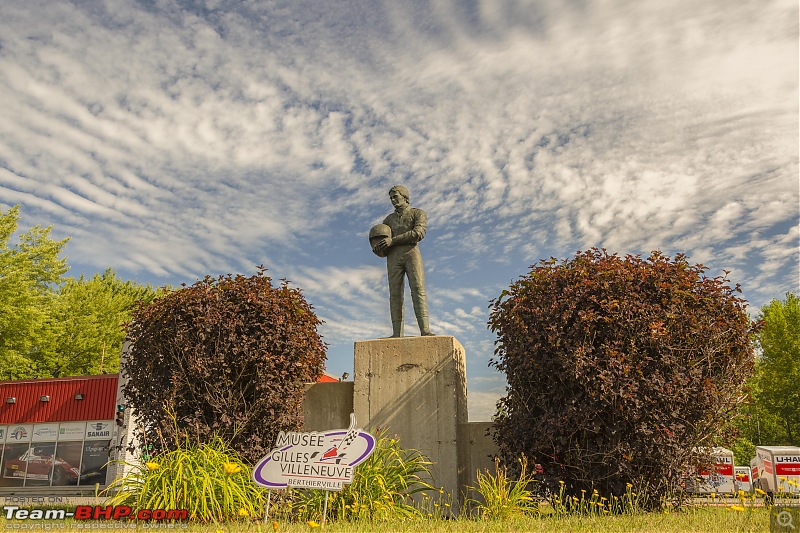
(316, 460)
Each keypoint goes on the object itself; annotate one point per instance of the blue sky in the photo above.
(173, 139)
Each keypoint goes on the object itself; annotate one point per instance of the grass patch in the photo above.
(695, 519)
(381, 490)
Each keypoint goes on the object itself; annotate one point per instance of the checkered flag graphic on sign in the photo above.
(351, 435)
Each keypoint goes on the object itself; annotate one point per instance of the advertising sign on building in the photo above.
(99, 429)
(315, 460)
(72, 431)
(45, 432)
(19, 433)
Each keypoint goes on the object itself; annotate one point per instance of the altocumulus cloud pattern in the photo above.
(173, 139)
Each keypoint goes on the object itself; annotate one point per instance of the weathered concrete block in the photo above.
(327, 406)
(480, 450)
(416, 388)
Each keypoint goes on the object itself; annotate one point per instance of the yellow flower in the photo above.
(231, 468)
(312, 524)
(782, 478)
(274, 526)
(560, 481)
(713, 494)
(629, 485)
(243, 512)
(761, 492)
(152, 465)
(737, 508)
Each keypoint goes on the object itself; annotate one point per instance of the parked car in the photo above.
(34, 464)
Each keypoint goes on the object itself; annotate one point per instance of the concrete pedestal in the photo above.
(416, 388)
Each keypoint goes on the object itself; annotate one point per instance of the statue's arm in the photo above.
(416, 233)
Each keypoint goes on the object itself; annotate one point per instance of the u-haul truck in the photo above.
(720, 477)
(778, 469)
(743, 481)
(754, 472)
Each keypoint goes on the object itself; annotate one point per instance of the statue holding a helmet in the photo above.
(396, 240)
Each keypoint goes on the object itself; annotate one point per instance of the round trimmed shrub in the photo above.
(618, 368)
(225, 357)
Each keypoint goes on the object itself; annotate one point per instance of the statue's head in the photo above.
(398, 195)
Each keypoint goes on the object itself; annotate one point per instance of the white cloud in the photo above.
(175, 141)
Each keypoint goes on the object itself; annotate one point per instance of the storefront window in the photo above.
(55, 454)
(14, 465)
(95, 459)
(68, 457)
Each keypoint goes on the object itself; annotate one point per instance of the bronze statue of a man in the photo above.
(396, 240)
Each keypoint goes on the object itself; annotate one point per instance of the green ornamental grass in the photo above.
(208, 480)
(381, 490)
(501, 498)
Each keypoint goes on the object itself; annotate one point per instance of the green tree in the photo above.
(778, 369)
(755, 424)
(228, 357)
(30, 272)
(618, 368)
(91, 314)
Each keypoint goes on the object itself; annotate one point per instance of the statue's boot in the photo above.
(397, 328)
(424, 328)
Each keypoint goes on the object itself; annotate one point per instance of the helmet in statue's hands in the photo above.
(376, 233)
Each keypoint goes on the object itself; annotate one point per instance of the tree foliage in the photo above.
(53, 326)
(30, 272)
(618, 367)
(777, 390)
(228, 357)
(771, 416)
(91, 314)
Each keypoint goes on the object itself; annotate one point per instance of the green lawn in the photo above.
(700, 520)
